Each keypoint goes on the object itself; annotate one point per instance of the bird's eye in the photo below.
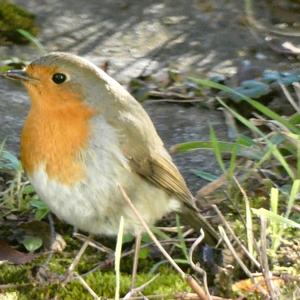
(59, 78)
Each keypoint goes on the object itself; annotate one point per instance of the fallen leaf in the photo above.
(32, 243)
(260, 284)
(37, 234)
(11, 255)
(59, 244)
(291, 47)
(284, 47)
(211, 187)
(38, 229)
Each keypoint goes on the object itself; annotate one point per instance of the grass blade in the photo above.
(275, 217)
(225, 147)
(260, 107)
(205, 175)
(276, 230)
(232, 163)
(118, 254)
(181, 238)
(32, 39)
(298, 162)
(276, 153)
(249, 224)
(216, 148)
(292, 197)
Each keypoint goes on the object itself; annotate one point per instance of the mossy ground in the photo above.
(12, 18)
(35, 280)
(26, 278)
(102, 282)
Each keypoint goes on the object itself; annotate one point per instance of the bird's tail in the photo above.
(193, 217)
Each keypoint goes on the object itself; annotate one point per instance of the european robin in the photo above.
(83, 137)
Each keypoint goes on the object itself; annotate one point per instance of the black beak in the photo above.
(17, 75)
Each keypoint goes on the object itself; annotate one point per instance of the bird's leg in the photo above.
(77, 258)
(137, 247)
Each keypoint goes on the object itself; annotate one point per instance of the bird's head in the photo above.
(58, 80)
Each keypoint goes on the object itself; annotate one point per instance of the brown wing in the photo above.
(145, 151)
(160, 170)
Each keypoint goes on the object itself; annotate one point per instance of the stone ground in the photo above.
(194, 36)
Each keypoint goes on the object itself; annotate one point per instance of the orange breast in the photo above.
(56, 138)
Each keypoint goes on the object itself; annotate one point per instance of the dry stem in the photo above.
(189, 279)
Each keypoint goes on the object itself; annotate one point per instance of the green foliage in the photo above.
(274, 148)
(243, 150)
(8, 161)
(19, 196)
(32, 243)
(205, 175)
(277, 222)
(255, 104)
(12, 18)
(181, 238)
(216, 148)
(280, 143)
(40, 207)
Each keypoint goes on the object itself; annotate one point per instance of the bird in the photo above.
(84, 136)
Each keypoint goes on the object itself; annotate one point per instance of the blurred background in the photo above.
(149, 45)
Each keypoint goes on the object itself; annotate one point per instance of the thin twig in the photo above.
(264, 258)
(227, 226)
(187, 233)
(76, 260)
(232, 250)
(173, 229)
(189, 279)
(118, 255)
(93, 243)
(239, 261)
(193, 296)
(137, 248)
(140, 288)
(296, 86)
(152, 236)
(197, 267)
(87, 287)
(289, 97)
(249, 226)
(196, 287)
(129, 252)
(158, 297)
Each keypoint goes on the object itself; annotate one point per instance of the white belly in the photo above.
(95, 203)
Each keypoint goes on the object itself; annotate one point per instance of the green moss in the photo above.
(13, 17)
(103, 283)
